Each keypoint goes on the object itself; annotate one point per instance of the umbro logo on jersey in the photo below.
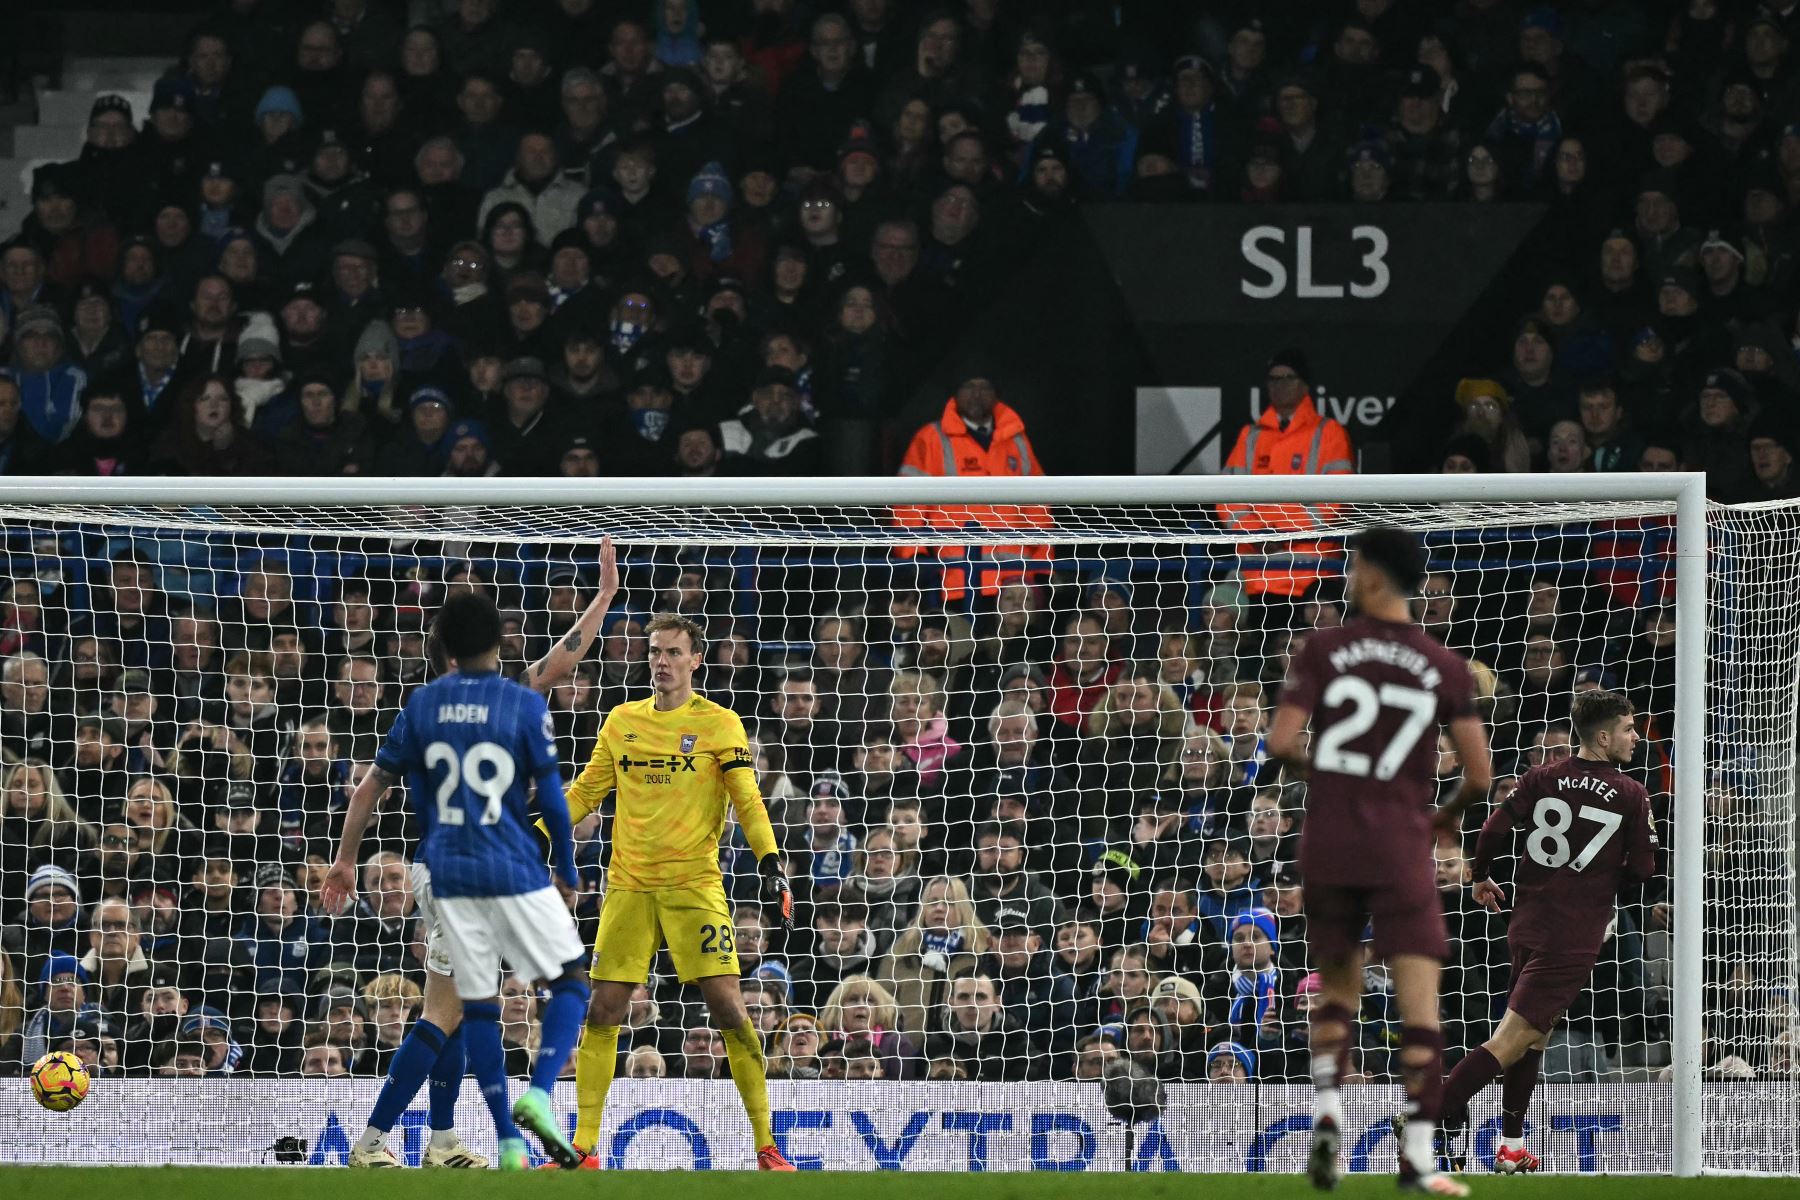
(631, 737)
(687, 742)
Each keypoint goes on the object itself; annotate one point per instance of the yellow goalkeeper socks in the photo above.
(744, 1048)
(595, 1059)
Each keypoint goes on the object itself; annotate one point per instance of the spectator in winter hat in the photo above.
(258, 366)
(422, 445)
(580, 458)
(287, 237)
(75, 239)
(1311, 155)
(50, 386)
(1729, 296)
(689, 136)
(1488, 415)
(1255, 972)
(209, 1027)
(713, 242)
(110, 153)
(1100, 142)
(1541, 394)
(373, 390)
(1663, 242)
(278, 938)
(1662, 451)
(1425, 148)
(770, 438)
(527, 436)
(325, 438)
(830, 846)
(1231, 1062)
(470, 456)
(1466, 454)
(1772, 449)
(278, 119)
(95, 341)
(353, 297)
(1203, 138)
(1715, 426)
(1369, 172)
(49, 923)
(58, 1002)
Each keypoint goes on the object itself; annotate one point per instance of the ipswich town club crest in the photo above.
(687, 743)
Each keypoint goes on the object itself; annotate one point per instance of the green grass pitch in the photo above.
(183, 1183)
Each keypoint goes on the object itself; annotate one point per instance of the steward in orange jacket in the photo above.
(1290, 438)
(976, 435)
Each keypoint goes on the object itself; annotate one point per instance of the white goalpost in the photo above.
(1038, 701)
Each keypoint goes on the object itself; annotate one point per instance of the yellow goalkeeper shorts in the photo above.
(696, 923)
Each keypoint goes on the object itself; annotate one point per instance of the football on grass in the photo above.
(59, 1081)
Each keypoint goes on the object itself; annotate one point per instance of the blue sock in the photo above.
(406, 1074)
(446, 1082)
(487, 1059)
(563, 1017)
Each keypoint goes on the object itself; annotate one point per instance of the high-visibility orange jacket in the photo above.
(1308, 444)
(946, 447)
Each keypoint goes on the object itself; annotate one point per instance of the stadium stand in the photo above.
(733, 238)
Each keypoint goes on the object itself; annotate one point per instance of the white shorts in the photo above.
(437, 954)
(533, 932)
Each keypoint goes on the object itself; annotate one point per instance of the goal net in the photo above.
(1013, 752)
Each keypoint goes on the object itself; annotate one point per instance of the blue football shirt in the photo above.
(470, 747)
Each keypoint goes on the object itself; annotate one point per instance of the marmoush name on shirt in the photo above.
(1380, 650)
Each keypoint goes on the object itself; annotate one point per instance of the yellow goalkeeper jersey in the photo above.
(674, 772)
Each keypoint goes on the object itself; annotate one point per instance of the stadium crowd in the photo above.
(1027, 835)
(581, 236)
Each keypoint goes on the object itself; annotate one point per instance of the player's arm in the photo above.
(553, 817)
(594, 782)
(1642, 849)
(1287, 743)
(340, 879)
(1469, 736)
(1493, 842)
(560, 660)
(737, 771)
(591, 786)
(391, 762)
(537, 748)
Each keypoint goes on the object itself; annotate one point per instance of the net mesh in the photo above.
(1751, 1023)
(1019, 742)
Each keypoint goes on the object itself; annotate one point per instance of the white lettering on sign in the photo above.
(1345, 410)
(1260, 246)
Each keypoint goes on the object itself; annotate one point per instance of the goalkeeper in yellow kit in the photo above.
(674, 759)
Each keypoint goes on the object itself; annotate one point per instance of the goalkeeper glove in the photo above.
(776, 891)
